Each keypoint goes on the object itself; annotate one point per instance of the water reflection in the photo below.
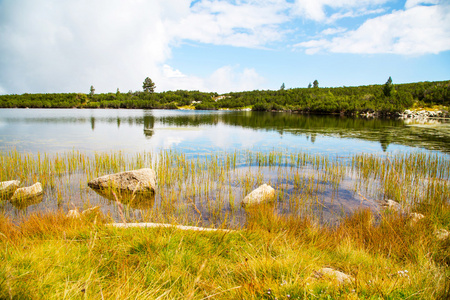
(55, 130)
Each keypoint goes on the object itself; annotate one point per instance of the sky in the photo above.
(54, 46)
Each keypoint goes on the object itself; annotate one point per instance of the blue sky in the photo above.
(51, 46)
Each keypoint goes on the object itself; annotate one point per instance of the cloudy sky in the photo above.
(51, 46)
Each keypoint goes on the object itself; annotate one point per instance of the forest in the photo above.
(383, 99)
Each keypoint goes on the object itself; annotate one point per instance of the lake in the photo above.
(51, 131)
(199, 136)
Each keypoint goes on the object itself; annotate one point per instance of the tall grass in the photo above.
(207, 189)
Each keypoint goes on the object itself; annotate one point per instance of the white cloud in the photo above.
(415, 31)
(66, 46)
(412, 3)
(333, 31)
(170, 72)
(316, 9)
(245, 24)
(222, 80)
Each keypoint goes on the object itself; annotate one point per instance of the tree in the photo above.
(148, 85)
(282, 87)
(92, 91)
(309, 85)
(315, 84)
(388, 87)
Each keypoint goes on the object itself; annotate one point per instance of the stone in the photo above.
(442, 234)
(27, 192)
(329, 273)
(392, 205)
(415, 217)
(7, 188)
(264, 193)
(135, 181)
(73, 214)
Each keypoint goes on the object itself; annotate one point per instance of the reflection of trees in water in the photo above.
(149, 123)
(384, 131)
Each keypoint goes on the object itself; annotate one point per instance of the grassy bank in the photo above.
(276, 253)
(50, 256)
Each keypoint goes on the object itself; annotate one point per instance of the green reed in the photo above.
(209, 188)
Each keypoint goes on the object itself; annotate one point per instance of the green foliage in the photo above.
(384, 99)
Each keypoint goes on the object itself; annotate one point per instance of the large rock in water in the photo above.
(7, 188)
(264, 193)
(27, 192)
(26, 196)
(136, 181)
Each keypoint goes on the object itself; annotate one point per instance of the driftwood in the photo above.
(156, 225)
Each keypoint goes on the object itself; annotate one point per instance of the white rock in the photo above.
(73, 213)
(415, 217)
(334, 275)
(139, 181)
(28, 192)
(8, 187)
(392, 205)
(442, 234)
(263, 193)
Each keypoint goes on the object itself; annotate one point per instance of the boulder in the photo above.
(442, 234)
(415, 217)
(392, 205)
(7, 188)
(73, 214)
(331, 274)
(264, 193)
(136, 181)
(27, 192)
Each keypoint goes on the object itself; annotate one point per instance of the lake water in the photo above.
(50, 131)
(196, 133)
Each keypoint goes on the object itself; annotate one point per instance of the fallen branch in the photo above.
(156, 225)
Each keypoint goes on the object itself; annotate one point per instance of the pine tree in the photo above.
(148, 85)
(388, 87)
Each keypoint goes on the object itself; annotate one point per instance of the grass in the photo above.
(275, 251)
(53, 257)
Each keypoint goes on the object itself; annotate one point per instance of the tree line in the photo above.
(384, 99)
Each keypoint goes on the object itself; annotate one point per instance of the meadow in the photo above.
(273, 251)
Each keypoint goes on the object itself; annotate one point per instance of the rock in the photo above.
(262, 194)
(136, 181)
(73, 214)
(8, 187)
(392, 205)
(90, 212)
(27, 192)
(415, 217)
(442, 234)
(329, 273)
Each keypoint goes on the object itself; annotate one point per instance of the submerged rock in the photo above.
(7, 188)
(27, 192)
(136, 181)
(264, 193)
